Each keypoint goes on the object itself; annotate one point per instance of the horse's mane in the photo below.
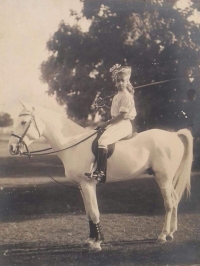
(49, 114)
(57, 119)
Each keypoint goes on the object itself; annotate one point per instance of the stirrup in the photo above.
(89, 175)
(97, 175)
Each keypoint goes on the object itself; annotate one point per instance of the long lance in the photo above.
(101, 100)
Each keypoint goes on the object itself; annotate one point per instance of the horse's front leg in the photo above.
(90, 201)
(92, 235)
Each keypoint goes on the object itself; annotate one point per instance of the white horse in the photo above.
(168, 154)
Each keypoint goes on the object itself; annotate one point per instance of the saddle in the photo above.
(111, 147)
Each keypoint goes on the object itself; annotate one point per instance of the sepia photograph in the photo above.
(100, 133)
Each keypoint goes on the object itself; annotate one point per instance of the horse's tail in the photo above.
(182, 177)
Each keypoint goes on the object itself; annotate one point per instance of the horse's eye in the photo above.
(23, 123)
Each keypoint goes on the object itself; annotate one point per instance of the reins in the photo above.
(47, 153)
(29, 154)
(58, 181)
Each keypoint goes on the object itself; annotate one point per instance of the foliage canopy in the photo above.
(153, 37)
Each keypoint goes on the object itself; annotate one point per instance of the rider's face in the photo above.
(122, 83)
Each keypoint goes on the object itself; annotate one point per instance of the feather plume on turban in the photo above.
(118, 70)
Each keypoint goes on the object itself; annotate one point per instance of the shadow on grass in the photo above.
(40, 166)
(135, 253)
(137, 197)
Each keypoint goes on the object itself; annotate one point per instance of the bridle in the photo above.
(21, 138)
(28, 153)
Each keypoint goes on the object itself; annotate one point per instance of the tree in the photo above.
(153, 37)
(5, 120)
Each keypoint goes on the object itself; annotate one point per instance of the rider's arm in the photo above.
(119, 117)
(125, 103)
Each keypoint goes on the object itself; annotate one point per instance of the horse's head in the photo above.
(28, 128)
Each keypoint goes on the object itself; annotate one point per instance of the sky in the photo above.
(25, 27)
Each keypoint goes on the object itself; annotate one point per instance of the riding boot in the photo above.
(100, 173)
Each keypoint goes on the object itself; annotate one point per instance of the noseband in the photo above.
(21, 141)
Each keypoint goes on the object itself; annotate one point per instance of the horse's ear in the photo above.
(25, 106)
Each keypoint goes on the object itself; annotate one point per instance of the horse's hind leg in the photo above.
(166, 187)
(173, 227)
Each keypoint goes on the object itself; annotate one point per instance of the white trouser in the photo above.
(115, 132)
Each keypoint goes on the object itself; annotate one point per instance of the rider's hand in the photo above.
(97, 128)
(105, 124)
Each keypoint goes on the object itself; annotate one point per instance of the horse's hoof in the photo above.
(161, 241)
(87, 245)
(95, 249)
(89, 242)
(170, 238)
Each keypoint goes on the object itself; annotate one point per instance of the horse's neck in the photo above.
(61, 132)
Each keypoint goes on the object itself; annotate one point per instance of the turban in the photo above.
(118, 70)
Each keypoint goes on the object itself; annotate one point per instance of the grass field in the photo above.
(43, 223)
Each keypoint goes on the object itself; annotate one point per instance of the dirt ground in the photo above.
(43, 223)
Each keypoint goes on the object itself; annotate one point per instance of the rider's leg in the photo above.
(112, 134)
(100, 173)
(115, 132)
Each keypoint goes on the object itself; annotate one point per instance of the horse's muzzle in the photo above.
(13, 149)
(16, 149)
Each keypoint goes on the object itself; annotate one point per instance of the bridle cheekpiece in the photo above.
(21, 138)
